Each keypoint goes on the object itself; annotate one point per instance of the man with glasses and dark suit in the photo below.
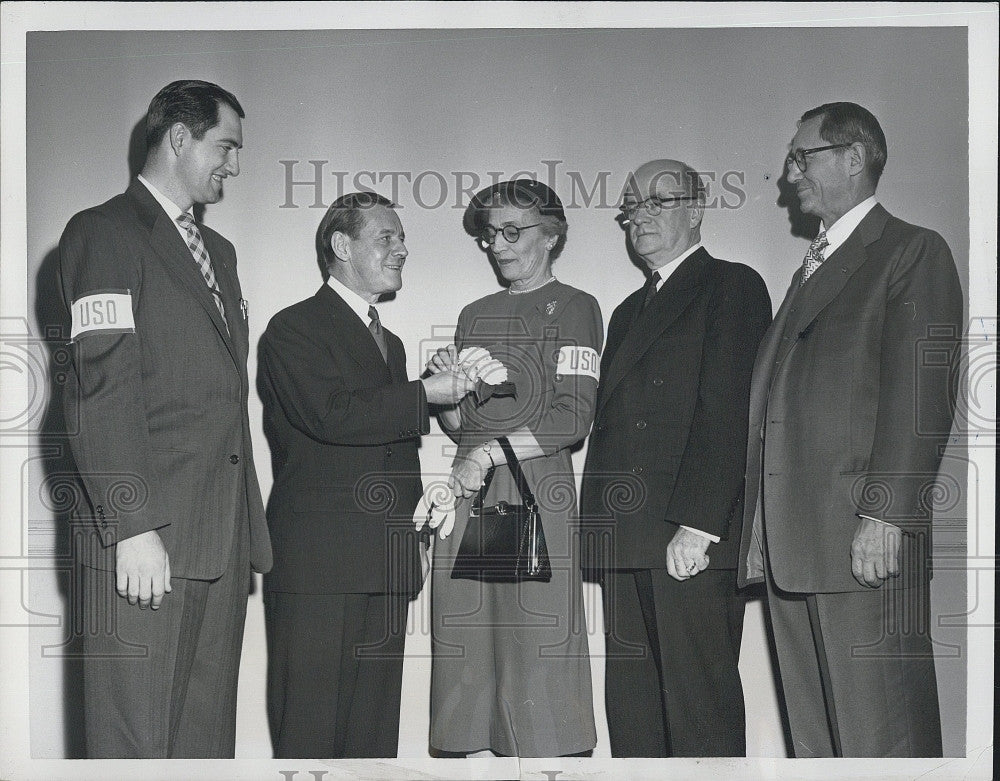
(850, 411)
(663, 482)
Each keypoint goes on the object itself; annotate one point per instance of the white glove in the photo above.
(436, 509)
(478, 364)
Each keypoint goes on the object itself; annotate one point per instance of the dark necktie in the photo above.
(200, 255)
(375, 328)
(649, 292)
(654, 280)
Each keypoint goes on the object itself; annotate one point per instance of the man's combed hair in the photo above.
(849, 123)
(346, 215)
(195, 103)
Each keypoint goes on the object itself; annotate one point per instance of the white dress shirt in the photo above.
(357, 304)
(172, 209)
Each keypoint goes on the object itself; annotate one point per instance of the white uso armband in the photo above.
(108, 312)
(582, 361)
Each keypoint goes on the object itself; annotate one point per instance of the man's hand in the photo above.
(467, 474)
(447, 387)
(142, 570)
(875, 552)
(445, 359)
(686, 555)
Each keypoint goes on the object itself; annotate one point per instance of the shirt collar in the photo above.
(837, 233)
(671, 266)
(357, 304)
(172, 209)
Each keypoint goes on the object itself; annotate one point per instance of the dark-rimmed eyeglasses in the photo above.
(800, 156)
(652, 206)
(510, 232)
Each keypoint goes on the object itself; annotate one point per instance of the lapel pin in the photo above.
(550, 307)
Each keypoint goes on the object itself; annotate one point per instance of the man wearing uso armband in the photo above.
(173, 520)
(662, 486)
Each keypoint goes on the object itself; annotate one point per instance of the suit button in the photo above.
(234, 459)
(657, 382)
(637, 470)
(641, 425)
(388, 451)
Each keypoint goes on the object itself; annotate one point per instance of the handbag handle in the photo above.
(519, 480)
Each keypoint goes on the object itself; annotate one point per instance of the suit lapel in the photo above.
(354, 335)
(831, 277)
(668, 304)
(763, 368)
(168, 245)
(229, 286)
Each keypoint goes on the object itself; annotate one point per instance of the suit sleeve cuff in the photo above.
(700, 533)
(877, 520)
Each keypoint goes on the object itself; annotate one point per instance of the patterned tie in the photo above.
(814, 256)
(200, 254)
(375, 327)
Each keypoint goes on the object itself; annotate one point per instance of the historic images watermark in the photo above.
(314, 184)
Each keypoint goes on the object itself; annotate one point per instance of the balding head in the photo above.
(676, 190)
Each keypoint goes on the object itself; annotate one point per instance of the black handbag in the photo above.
(504, 543)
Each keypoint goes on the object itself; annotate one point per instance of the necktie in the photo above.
(200, 255)
(654, 280)
(814, 256)
(375, 327)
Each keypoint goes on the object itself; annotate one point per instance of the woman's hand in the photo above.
(468, 473)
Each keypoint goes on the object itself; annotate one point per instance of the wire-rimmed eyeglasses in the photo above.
(799, 156)
(652, 206)
(510, 232)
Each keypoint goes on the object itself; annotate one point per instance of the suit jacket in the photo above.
(344, 429)
(157, 406)
(667, 443)
(851, 406)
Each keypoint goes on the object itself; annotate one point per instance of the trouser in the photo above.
(857, 672)
(334, 673)
(162, 683)
(672, 683)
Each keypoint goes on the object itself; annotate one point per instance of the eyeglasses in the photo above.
(799, 155)
(652, 206)
(510, 232)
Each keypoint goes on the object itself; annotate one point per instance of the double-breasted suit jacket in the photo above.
(667, 443)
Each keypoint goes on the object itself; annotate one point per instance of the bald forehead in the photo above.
(663, 178)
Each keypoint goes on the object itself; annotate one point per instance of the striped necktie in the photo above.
(200, 255)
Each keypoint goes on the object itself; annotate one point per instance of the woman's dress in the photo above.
(511, 668)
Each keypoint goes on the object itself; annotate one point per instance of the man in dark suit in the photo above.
(664, 479)
(344, 425)
(159, 390)
(849, 415)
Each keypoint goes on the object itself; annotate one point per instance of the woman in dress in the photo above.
(511, 669)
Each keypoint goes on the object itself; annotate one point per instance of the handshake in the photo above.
(454, 374)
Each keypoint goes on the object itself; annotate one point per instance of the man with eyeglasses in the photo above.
(664, 478)
(849, 413)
